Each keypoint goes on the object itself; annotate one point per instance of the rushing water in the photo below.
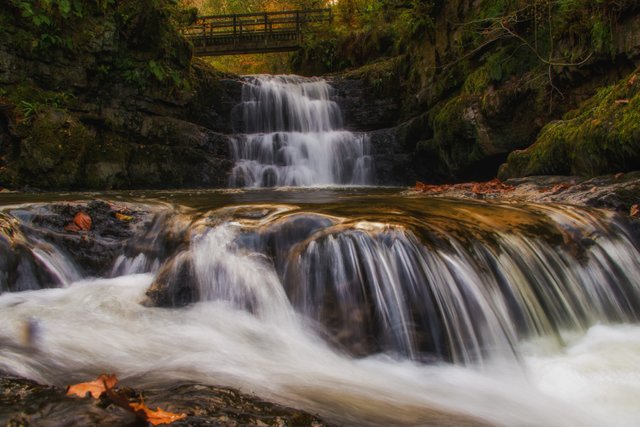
(293, 136)
(366, 306)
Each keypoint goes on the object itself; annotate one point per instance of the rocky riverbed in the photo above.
(25, 403)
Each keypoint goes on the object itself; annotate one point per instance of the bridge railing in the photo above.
(210, 27)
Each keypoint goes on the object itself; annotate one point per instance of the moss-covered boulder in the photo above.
(52, 146)
(601, 136)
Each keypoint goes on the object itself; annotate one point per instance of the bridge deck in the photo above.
(252, 32)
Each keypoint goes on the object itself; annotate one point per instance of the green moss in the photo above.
(602, 136)
(383, 77)
(52, 150)
(455, 134)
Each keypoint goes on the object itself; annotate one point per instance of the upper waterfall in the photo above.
(292, 135)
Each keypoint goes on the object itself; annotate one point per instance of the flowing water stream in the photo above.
(368, 306)
(293, 136)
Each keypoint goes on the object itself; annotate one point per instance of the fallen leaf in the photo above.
(83, 221)
(156, 417)
(632, 80)
(619, 175)
(122, 217)
(635, 211)
(621, 101)
(95, 388)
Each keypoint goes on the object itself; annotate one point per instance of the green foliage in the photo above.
(28, 110)
(322, 54)
(364, 31)
(31, 100)
(48, 19)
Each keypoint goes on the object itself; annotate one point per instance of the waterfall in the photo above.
(292, 135)
(417, 291)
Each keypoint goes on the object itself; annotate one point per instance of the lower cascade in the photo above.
(367, 307)
(293, 136)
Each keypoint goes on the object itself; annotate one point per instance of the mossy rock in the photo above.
(602, 136)
(52, 150)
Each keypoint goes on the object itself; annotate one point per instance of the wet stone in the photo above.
(26, 403)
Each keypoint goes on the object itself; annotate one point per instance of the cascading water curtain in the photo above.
(292, 135)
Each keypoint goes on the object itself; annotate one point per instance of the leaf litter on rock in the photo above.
(105, 385)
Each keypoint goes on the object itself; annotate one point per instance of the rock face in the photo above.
(109, 108)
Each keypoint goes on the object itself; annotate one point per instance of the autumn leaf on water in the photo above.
(95, 388)
(156, 417)
(635, 211)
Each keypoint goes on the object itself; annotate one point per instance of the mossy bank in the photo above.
(98, 94)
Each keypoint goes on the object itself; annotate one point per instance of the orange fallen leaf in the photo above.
(122, 217)
(156, 417)
(95, 388)
(635, 211)
(83, 221)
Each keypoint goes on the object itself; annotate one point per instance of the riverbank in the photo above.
(620, 192)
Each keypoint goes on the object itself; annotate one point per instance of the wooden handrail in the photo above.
(210, 33)
(284, 12)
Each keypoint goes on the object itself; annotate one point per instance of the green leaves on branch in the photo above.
(45, 12)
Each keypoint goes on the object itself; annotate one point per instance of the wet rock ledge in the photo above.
(26, 403)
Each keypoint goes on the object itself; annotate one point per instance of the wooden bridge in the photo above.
(252, 32)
